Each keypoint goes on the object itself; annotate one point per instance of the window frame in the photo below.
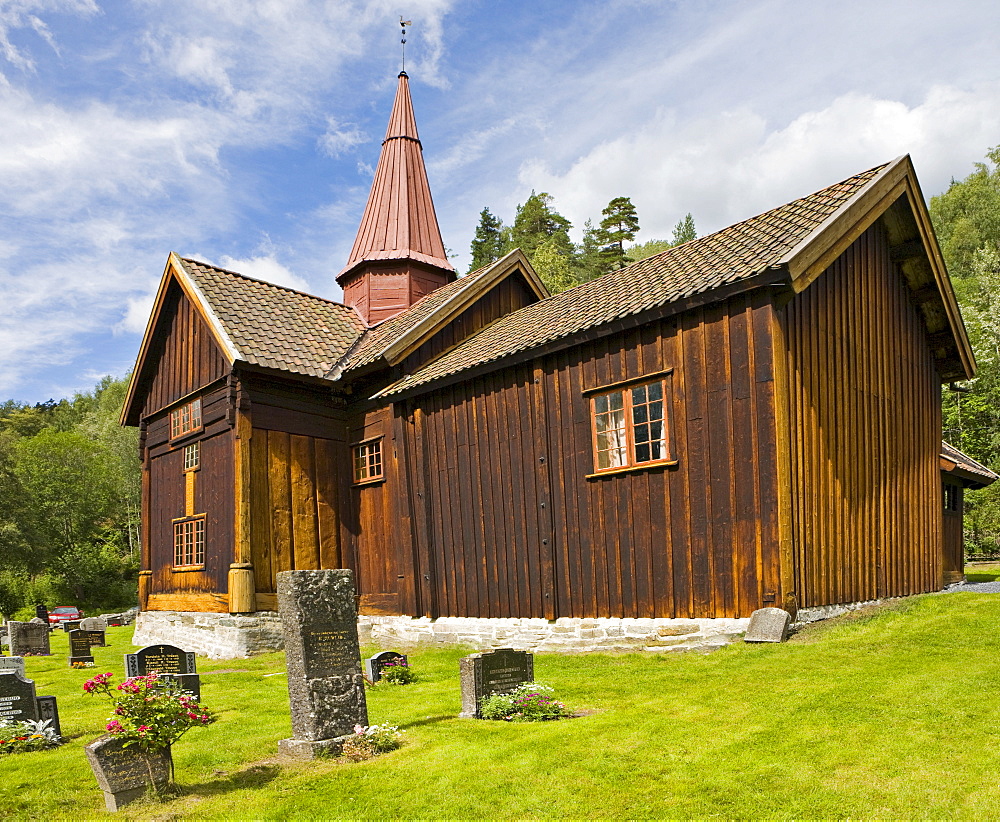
(952, 498)
(196, 445)
(625, 389)
(177, 429)
(370, 478)
(178, 525)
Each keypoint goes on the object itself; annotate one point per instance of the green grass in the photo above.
(982, 572)
(889, 714)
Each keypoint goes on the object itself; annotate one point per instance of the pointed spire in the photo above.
(399, 226)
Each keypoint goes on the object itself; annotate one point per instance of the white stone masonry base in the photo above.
(217, 636)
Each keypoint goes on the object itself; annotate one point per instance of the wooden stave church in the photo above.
(800, 354)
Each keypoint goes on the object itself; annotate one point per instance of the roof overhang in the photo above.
(173, 272)
(894, 197)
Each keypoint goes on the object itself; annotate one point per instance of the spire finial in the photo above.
(403, 24)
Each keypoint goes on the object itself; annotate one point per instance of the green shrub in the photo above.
(365, 743)
(397, 672)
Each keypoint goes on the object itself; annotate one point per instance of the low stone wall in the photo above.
(564, 635)
(821, 612)
(217, 636)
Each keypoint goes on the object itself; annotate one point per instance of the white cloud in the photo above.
(340, 138)
(23, 14)
(265, 267)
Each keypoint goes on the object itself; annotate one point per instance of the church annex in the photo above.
(749, 419)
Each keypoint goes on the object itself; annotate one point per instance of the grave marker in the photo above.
(17, 697)
(768, 625)
(495, 672)
(325, 687)
(375, 664)
(79, 647)
(42, 613)
(125, 774)
(93, 624)
(27, 639)
(47, 709)
(12, 663)
(71, 625)
(170, 662)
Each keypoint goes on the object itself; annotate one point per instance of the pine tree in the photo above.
(536, 221)
(684, 231)
(619, 225)
(488, 244)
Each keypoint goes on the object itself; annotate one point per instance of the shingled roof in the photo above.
(734, 254)
(965, 468)
(273, 326)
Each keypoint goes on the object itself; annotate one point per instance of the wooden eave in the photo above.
(173, 272)
(894, 197)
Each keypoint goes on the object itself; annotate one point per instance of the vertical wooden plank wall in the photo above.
(508, 524)
(187, 358)
(865, 433)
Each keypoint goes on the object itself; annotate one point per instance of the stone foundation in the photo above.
(821, 612)
(217, 636)
(564, 635)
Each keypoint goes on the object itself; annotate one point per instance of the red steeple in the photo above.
(398, 255)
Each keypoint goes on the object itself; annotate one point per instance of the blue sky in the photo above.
(245, 133)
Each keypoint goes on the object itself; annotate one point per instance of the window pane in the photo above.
(642, 433)
(639, 413)
(616, 401)
(639, 395)
(655, 410)
(602, 422)
(601, 404)
(642, 452)
(603, 459)
(656, 390)
(617, 418)
(656, 451)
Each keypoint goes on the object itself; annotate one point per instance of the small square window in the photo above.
(368, 461)
(952, 498)
(189, 542)
(630, 427)
(185, 418)
(192, 456)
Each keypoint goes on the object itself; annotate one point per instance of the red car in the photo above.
(64, 613)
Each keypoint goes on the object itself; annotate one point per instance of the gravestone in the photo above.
(18, 702)
(126, 774)
(326, 689)
(12, 663)
(27, 639)
(71, 625)
(17, 697)
(93, 624)
(38, 621)
(375, 664)
(768, 625)
(42, 613)
(170, 662)
(494, 672)
(79, 647)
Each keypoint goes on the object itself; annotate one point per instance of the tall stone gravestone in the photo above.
(495, 672)
(27, 639)
(170, 662)
(375, 664)
(125, 774)
(768, 625)
(79, 647)
(326, 689)
(18, 702)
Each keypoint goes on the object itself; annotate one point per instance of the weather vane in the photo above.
(403, 24)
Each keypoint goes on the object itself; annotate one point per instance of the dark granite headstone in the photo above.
(47, 709)
(12, 663)
(768, 625)
(42, 613)
(325, 686)
(71, 625)
(27, 639)
(495, 672)
(79, 647)
(168, 661)
(126, 774)
(375, 664)
(17, 697)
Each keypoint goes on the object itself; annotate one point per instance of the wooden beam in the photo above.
(203, 603)
(907, 251)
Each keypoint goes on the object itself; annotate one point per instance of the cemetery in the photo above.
(752, 729)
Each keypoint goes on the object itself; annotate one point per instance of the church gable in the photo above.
(180, 353)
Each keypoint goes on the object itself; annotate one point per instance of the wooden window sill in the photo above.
(372, 481)
(628, 469)
(182, 569)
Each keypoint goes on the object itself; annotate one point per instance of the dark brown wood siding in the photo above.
(213, 496)
(184, 357)
(507, 522)
(865, 421)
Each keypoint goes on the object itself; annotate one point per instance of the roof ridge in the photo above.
(269, 283)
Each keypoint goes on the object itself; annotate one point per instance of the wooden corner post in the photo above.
(242, 590)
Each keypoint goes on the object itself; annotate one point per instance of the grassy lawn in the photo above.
(888, 714)
(982, 572)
